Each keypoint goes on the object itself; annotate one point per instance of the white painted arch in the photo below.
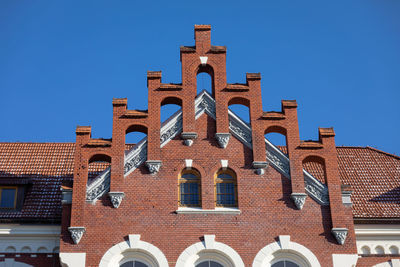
(285, 249)
(131, 250)
(209, 249)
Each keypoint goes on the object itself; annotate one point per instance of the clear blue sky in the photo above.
(62, 62)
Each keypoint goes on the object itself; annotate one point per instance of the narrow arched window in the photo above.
(225, 188)
(189, 188)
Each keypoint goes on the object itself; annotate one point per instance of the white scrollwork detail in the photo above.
(76, 233)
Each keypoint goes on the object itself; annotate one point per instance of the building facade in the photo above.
(206, 188)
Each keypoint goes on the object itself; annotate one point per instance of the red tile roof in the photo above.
(374, 176)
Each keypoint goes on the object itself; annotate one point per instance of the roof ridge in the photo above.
(383, 152)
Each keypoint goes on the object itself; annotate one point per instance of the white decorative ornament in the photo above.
(203, 60)
(340, 234)
(188, 138)
(299, 199)
(285, 248)
(153, 166)
(116, 198)
(188, 163)
(223, 139)
(209, 248)
(76, 233)
(260, 166)
(224, 164)
(134, 248)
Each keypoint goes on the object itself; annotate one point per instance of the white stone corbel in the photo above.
(116, 198)
(77, 233)
(260, 166)
(223, 139)
(153, 166)
(340, 234)
(299, 199)
(188, 138)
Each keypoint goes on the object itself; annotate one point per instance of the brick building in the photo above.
(204, 188)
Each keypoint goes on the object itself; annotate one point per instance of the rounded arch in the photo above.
(314, 158)
(42, 250)
(174, 100)
(379, 250)
(239, 100)
(26, 249)
(209, 249)
(11, 249)
(394, 250)
(133, 249)
(285, 249)
(178, 168)
(365, 250)
(205, 69)
(96, 156)
(136, 128)
(276, 129)
(315, 165)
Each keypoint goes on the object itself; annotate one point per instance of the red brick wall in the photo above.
(150, 201)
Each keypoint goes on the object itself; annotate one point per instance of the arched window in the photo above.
(134, 264)
(189, 188)
(394, 250)
(225, 188)
(209, 263)
(379, 250)
(285, 263)
(365, 250)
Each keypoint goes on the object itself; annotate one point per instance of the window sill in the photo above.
(186, 210)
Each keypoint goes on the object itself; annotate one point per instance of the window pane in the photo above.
(291, 264)
(139, 264)
(215, 264)
(127, 264)
(224, 176)
(189, 176)
(7, 197)
(278, 264)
